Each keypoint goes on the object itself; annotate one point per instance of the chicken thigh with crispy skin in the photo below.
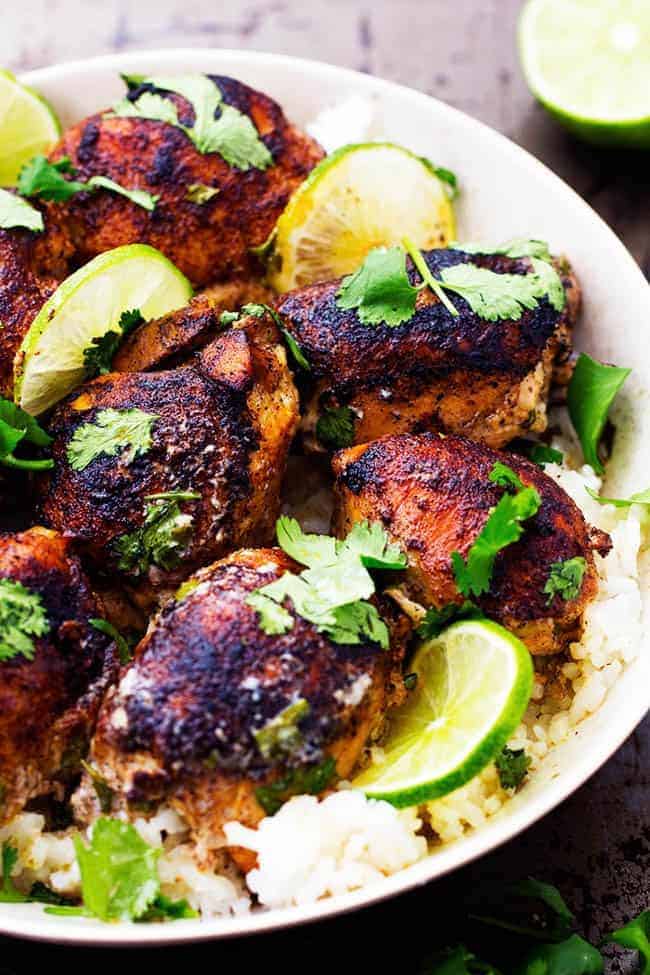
(486, 380)
(433, 495)
(209, 240)
(49, 696)
(182, 726)
(220, 428)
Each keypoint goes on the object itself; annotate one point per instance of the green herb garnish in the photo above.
(200, 193)
(45, 179)
(518, 247)
(380, 290)
(502, 528)
(22, 617)
(642, 497)
(436, 620)
(123, 648)
(281, 735)
(504, 296)
(231, 133)
(565, 579)
(102, 789)
(335, 427)
(165, 532)
(512, 767)
(505, 477)
(590, 394)
(98, 356)
(15, 212)
(300, 781)
(17, 426)
(110, 432)
(9, 893)
(542, 454)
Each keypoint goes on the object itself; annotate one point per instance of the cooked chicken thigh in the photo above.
(217, 430)
(208, 240)
(183, 725)
(54, 666)
(466, 375)
(433, 495)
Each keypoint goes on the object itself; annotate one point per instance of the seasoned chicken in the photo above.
(183, 724)
(487, 380)
(54, 666)
(209, 240)
(433, 496)
(217, 430)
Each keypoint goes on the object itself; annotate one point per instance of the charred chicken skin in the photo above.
(183, 724)
(210, 240)
(465, 375)
(433, 496)
(220, 431)
(49, 698)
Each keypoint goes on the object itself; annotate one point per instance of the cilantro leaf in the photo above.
(42, 894)
(281, 735)
(150, 106)
(45, 179)
(574, 956)
(307, 549)
(502, 528)
(380, 290)
(15, 212)
(373, 546)
(165, 909)
(163, 536)
(505, 477)
(200, 193)
(335, 427)
(98, 356)
(542, 454)
(123, 649)
(17, 426)
(306, 780)
(518, 247)
(590, 394)
(642, 497)
(111, 431)
(22, 617)
(357, 620)
(9, 893)
(274, 619)
(565, 579)
(635, 935)
(504, 296)
(299, 356)
(140, 197)
(119, 875)
(102, 789)
(512, 767)
(436, 620)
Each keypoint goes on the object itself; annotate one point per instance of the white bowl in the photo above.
(505, 193)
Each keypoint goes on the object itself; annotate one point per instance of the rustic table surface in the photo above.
(596, 846)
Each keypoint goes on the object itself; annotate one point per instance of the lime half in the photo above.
(474, 682)
(360, 197)
(588, 62)
(85, 306)
(27, 126)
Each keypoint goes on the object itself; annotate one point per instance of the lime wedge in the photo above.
(474, 682)
(588, 63)
(360, 197)
(27, 126)
(89, 303)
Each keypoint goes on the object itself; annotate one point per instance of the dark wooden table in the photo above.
(596, 846)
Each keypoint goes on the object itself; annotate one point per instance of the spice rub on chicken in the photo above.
(219, 189)
(158, 473)
(54, 666)
(434, 495)
(222, 720)
(464, 374)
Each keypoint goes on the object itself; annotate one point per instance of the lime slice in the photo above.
(474, 682)
(588, 62)
(360, 197)
(27, 126)
(85, 306)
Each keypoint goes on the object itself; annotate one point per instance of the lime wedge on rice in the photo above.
(89, 303)
(27, 126)
(588, 63)
(360, 197)
(474, 682)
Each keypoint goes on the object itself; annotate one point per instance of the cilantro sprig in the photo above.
(217, 127)
(333, 590)
(163, 536)
(98, 356)
(22, 618)
(641, 497)
(591, 392)
(565, 579)
(17, 426)
(380, 290)
(512, 767)
(47, 180)
(128, 431)
(15, 212)
(258, 311)
(517, 247)
(335, 427)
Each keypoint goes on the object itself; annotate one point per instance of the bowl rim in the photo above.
(496, 831)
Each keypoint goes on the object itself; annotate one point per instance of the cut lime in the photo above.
(85, 306)
(588, 62)
(27, 126)
(360, 197)
(474, 682)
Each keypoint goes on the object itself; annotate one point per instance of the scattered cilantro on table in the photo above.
(565, 579)
(16, 212)
(22, 618)
(128, 431)
(165, 532)
(98, 356)
(16, 427)
(47, 180)
(590, 394)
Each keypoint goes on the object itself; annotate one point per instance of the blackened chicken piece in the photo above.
(465, 375)
(49, 696)
(433, 496)
(182, 725)
(208, 241)
(222, 428)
